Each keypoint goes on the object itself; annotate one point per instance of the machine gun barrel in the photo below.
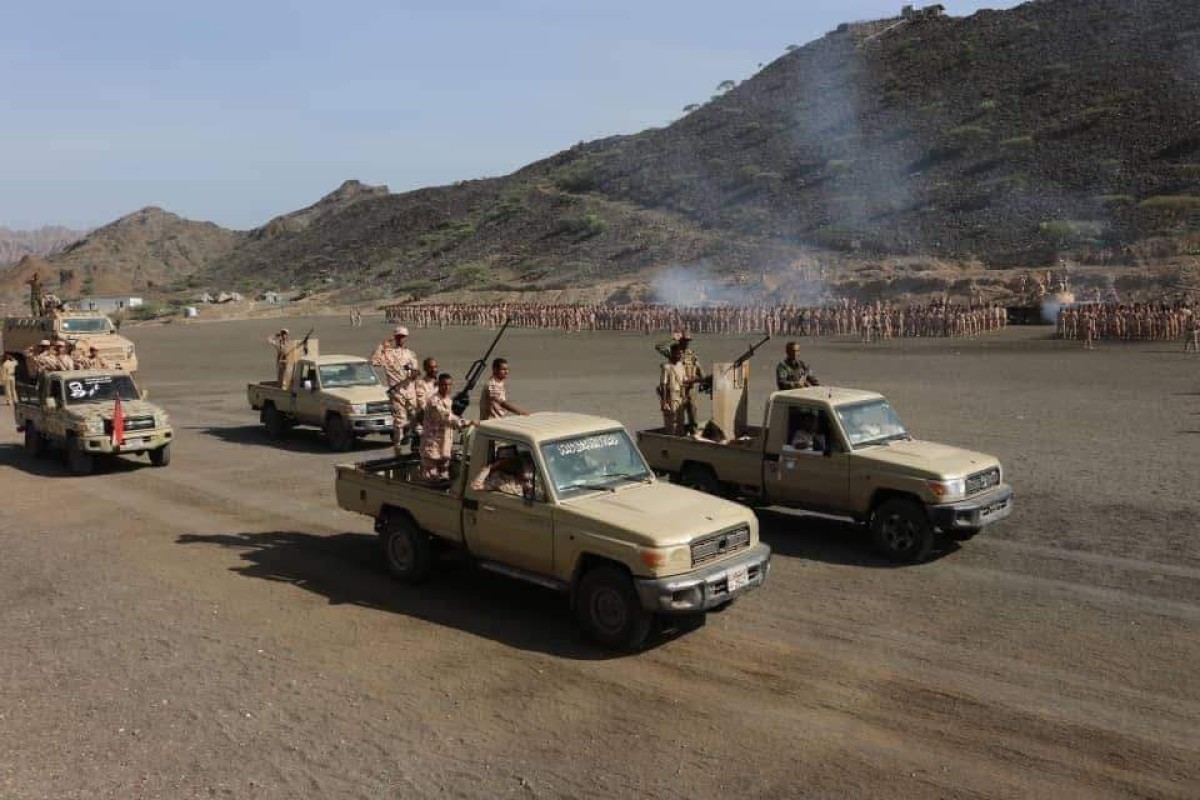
(304, 341)
(462, 398)
(749, 354)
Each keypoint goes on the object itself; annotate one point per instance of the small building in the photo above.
(107, 305)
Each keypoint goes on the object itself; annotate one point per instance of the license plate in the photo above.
(737, 579)
(132, 443)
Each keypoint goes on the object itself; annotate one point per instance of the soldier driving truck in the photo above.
(836, 451)
(566, 501)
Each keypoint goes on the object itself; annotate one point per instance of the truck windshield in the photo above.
(353, 374)
(86, 325)
(595, 462)
(99, 388)
(871, 423)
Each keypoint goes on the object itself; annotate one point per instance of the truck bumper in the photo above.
(706, 588)
(372, 423)
(974, 513)
(138, 442)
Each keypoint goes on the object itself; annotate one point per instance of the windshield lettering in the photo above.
(596, 462)
(100, 388)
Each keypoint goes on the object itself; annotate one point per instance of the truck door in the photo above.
(499, 523)
(305, 391)
(805, 462)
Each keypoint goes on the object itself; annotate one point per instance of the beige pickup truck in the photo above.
(341, 395)
(75, 412)
(566, 501)
(845, 452)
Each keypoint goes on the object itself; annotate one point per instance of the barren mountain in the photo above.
(148, 252)
(1058, 128)
(45, 241)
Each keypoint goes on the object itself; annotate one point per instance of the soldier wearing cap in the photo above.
(400, 369)
(693, 374)
(284, 348)
(93, 358)
(62, 359)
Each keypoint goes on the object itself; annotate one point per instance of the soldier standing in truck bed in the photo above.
(400, 369)
(284, 347)
(693, 373)
(792, 373)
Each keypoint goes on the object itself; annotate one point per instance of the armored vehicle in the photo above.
(91, 327)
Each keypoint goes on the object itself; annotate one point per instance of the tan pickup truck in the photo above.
(567, 501)
(845, 452)
(341, 395)
(74, 412)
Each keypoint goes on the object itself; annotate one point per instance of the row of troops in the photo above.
(869, 321)
(1130, 322)
(48, 356)
(420, 397)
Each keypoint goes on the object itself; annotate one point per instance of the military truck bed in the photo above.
(369, 487)
(738, 461)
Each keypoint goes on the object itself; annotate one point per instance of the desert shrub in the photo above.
(149, 311)
(1117, 199)
(987, 106)
(418, 289)
(585, 226)
(965, 136)
(578, 178)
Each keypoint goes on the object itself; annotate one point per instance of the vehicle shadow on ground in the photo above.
(346, 568)
(830, 541)
(52, 464)
(300, 440)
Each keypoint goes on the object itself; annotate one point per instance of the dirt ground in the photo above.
(220, 628)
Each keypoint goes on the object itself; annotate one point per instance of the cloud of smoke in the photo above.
(701, 285)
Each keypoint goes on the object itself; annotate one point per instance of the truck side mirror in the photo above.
(308, 385)
(144, 394)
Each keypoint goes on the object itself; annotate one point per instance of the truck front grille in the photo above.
(982, 481)
(381, 407)
(713, 547)
(132, 424)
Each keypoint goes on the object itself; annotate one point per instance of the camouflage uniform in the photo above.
(437, 437)
(793, 376)
(672, 397)
(491, 399)
(400, 367)
(8, 374)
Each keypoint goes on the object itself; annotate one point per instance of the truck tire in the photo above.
(161, 457)
(79, 461)
(274, 422)
(701, 478)
(406, 549)
(34, 444)
(901, 531)
(609, 609)
(337, 431)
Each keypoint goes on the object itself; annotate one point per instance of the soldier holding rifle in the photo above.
(400, 369)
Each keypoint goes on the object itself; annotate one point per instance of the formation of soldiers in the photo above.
(868, 321)
(1145, 322)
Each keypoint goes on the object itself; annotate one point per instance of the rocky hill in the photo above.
(149, 252)
(45, 241)
(1058, 128)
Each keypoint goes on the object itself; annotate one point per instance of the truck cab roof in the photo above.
(833, 395)
(547, 425)
(323, 360)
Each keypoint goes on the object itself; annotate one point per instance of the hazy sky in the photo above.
(236, 112)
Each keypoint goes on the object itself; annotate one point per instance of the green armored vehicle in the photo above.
(89, 414)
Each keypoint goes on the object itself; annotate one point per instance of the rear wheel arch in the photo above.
(700, 475)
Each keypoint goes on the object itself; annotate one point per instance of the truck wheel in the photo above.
(79, 461)
(701, 478)
(610, 611)
(274, 422)
(339, 434)
(901, 531)
(34, 444)
(406, 549)
(161, 457)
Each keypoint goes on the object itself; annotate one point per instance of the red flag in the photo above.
(118, 423)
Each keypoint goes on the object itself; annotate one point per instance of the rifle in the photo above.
(706, 384)
(304, 341)
(462, 398)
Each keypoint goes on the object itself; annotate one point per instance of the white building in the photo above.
(107, 305)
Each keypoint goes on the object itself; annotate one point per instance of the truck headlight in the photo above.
(663, 557)
(357, 409)
(948, 491)
(92, 426)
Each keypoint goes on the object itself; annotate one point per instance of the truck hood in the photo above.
(656, 514)
(130, 408)
(930, 459)
(357, 394)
